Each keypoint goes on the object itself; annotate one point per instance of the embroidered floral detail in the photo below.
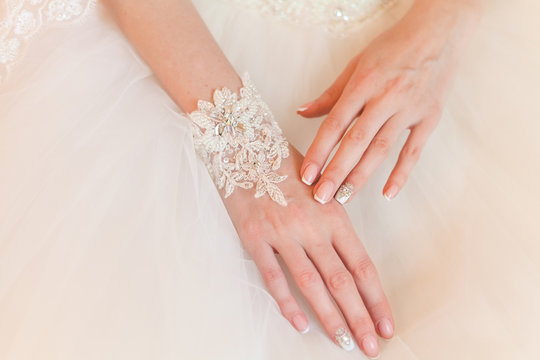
(62, 10)
(26, 22)
(240, 142)
(9, 49)
(25, 18)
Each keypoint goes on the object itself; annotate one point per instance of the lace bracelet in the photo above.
(240, 142)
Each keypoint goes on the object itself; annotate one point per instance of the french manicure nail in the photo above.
(344, 193)
(370, 346)
(309, 175)
(344, 339)
(385, 328)
(304, 107)
(301, 323)
(324, 192)
(391, 192)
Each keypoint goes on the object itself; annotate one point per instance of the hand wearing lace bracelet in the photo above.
(248, 158)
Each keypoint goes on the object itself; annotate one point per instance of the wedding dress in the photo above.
(114, 243)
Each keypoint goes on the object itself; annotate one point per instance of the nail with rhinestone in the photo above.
(344, 339)
(344, 192)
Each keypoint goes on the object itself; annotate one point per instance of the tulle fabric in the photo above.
(115, 244)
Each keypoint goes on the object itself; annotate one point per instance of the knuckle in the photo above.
(332, 123)
(363, 78)
(252, 228)
(357, 135)
(381, 145)
(271, 275)
(297, 212)
(394, 85)
(412, 151)
(274, 218)
(306, 279)
(339, 280)
(364, 270)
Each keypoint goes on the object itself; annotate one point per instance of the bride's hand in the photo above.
(322, 252)
(398, 82)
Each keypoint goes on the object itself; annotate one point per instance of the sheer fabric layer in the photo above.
(114, 242)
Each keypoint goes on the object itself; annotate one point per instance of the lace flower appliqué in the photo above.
(240, 142)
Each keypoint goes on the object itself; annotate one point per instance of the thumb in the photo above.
(324, 103)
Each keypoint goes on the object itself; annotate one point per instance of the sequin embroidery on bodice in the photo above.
(339, 17)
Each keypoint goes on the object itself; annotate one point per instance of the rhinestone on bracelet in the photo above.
(240, 142)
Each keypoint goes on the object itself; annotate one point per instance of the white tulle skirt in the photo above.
(114, 243)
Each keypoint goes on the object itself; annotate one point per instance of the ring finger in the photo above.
(374, 155)
(343, 289)
(351, 149)
(312, 287)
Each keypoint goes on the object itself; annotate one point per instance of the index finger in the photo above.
(330, 132)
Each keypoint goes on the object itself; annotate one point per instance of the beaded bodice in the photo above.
(20, 20)
(337, 16)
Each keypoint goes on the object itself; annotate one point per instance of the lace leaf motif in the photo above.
(240, 142)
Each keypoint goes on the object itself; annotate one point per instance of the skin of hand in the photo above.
(397, 83)
(323, 254)
(316, 242)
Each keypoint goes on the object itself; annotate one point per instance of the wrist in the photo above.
(241, 144)
(432, 29)
(456, 17)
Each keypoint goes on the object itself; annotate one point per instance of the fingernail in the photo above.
(324, 192)
(309, 175)
(370, 346)
(385, 328)
(344, 339)
(344, 193)
(391, 192)
(301, 323)
(305, 106)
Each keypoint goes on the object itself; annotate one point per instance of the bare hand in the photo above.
(319, 246)
(398, 82)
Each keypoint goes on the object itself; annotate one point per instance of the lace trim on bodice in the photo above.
(20, 20)
(340, 17)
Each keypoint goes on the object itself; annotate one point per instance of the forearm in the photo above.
(175, 43)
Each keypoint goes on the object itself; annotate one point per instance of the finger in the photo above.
(277, 285)
(324, 103)
(330, 132)
(408, 157)
(341, 285)
(352, 148)
(376, 152)
(364, 273)
(312, 287)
